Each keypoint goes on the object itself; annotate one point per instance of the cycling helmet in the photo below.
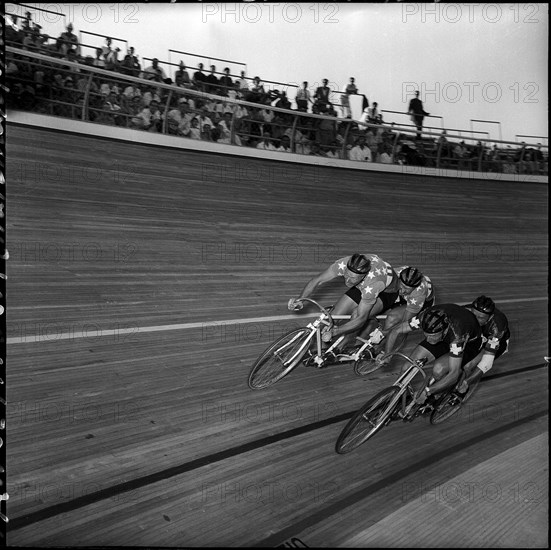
(434, 320)
(359, 264)
(411, 276)
(484, 305)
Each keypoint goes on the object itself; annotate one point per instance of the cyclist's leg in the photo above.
(347, 305)
(384, 302)
(394, 317)
(348, 302)
(438, 354)
(419, 352)
(470, 367)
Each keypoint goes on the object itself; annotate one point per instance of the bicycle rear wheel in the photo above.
(367, 421)
(279, 359)
(366, 364)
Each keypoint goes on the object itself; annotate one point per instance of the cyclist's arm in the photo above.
(324, 277)
(392, 334)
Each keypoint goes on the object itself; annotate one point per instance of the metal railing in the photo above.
(97, 95)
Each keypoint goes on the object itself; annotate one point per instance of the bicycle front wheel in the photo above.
(279, 359)
(368, 420)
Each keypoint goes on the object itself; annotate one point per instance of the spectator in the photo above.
(226, 82)
(211, 81)
(194, 132)
(226, 122)
(443, 145)
(225, 135)
(99, 62)
(267, 116)
(333, 150)
(130, 64)
(370, 139)
(509, 166)
(31, 40)
(384, 156)
(417, 113)
(242, 85)
(284, 144)
(74, 58)
(326, 131)
(460, 152)
(283, 102)
(178, 120)
(67, 41)
(360, 152)
(322, 97)
(154, 72)
(206, 132)
(151, 117)
(351, 89)
(115, 107)
(477, 152)
(132, 91)
(181, 77)
(316, 151)
(132, 107)
(266, 143)
(14, 34)
(303, 98)
(105, 115)
(373, 114)
(256, 94)
(204, 119)
(110, 55)
(199, 78)
(150, 94)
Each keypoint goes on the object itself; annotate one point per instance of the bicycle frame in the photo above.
(326, 319)
(403, 383)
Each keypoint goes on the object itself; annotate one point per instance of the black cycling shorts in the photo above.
(355, 293)
(387, 298)
(469, 353)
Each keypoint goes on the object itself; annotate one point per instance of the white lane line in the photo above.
(95, 331)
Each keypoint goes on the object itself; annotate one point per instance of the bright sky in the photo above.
(469, 61)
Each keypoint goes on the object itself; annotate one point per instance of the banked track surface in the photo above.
(176, 245)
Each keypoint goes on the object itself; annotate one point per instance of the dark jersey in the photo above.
(463, 326)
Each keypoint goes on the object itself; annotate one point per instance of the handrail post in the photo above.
(293, 130)
(521, 158)
(439, 153)
(85, 106)
(394, 145)
(166, 111)
(481, 156)
(232, 129)
(345, 137)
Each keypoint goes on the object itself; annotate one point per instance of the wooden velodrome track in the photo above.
(144, 282)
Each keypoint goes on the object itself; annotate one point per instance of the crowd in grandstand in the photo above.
(73, 92)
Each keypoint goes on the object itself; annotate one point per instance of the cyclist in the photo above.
(453, 337)
(495, 337)
(415, 293)
(366, 276)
